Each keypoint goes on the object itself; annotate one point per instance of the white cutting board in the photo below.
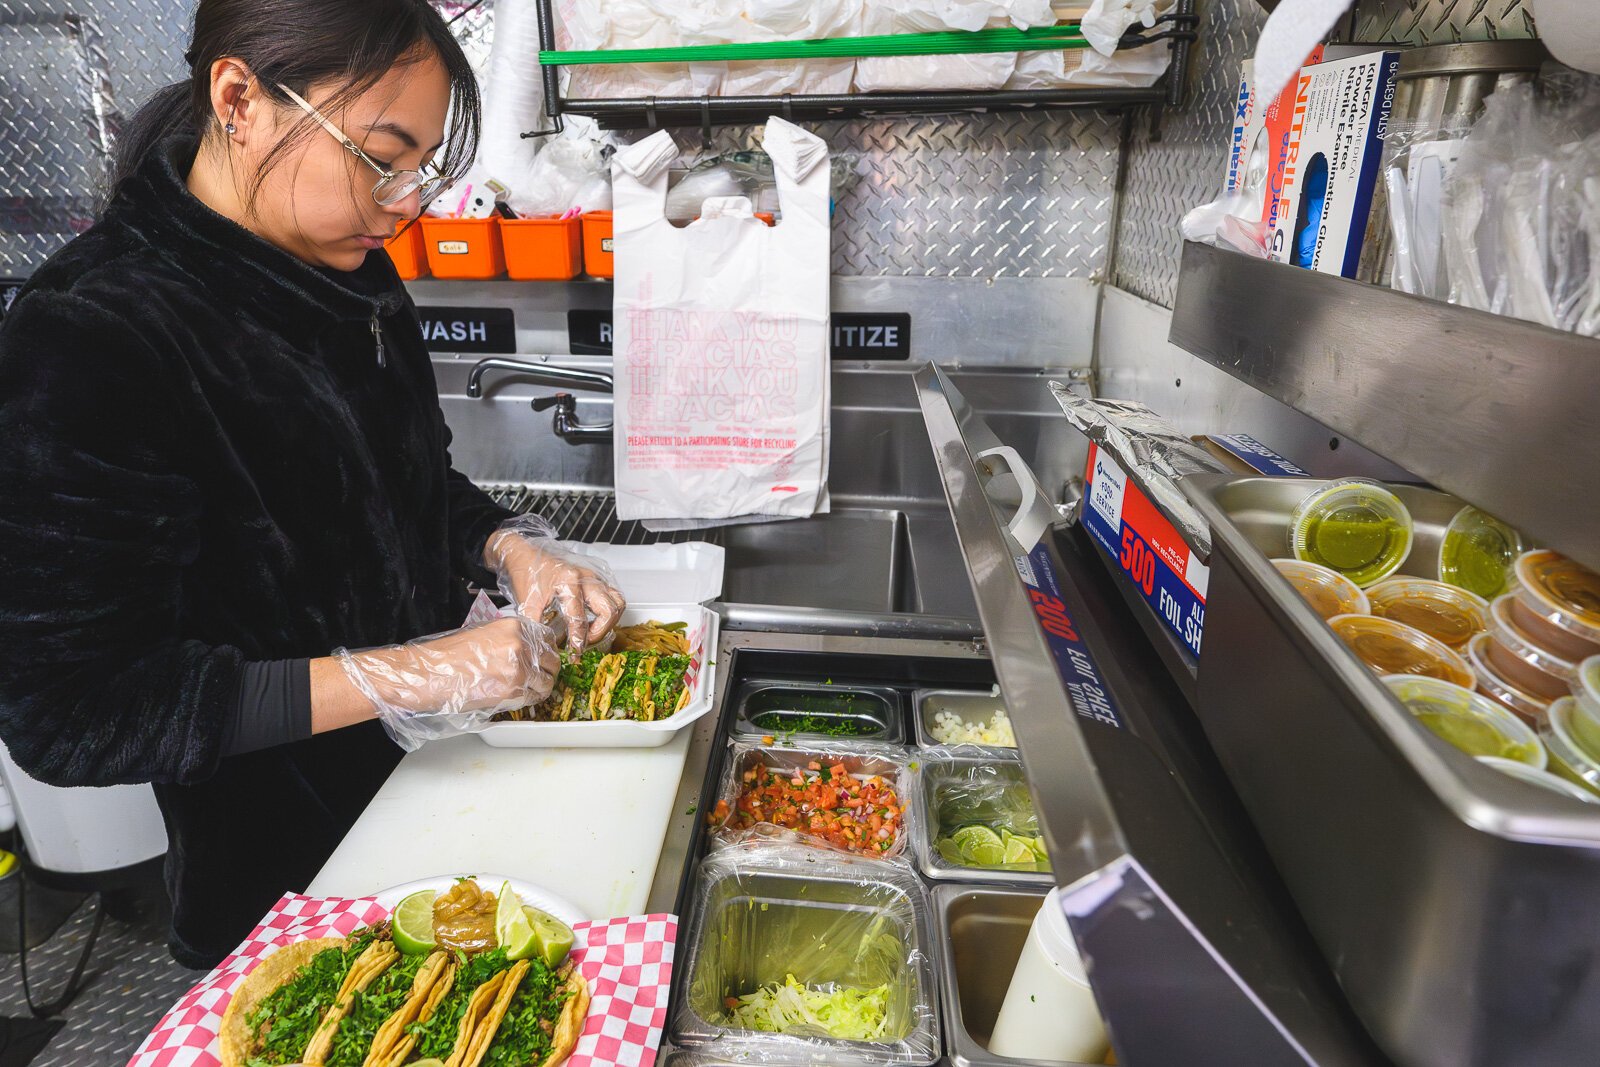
(586, 824)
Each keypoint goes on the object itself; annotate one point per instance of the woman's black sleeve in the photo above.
(97, 524)
(273, 707)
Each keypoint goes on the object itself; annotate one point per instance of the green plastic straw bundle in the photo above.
(1044, 38)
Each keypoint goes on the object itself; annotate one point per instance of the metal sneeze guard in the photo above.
(1192, 957)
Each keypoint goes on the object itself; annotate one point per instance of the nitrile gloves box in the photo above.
(1336, 130)
(1152, 555)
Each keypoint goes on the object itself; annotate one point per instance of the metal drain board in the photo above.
(587, 515)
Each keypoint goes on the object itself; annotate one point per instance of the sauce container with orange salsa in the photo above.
(1564, 594)
(1327, 591)
(1390, 647)
(1441, 611)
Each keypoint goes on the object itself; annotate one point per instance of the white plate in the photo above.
(704, 625)
(530, 895)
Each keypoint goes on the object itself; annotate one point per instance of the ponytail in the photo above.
(169, 112)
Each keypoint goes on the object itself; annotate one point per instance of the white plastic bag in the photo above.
(569, 173)
(1102, 64)
(596, 25)
(721, 341)
(977, 71)
(761, 21)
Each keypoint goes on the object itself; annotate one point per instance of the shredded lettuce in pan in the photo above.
(843, 1012)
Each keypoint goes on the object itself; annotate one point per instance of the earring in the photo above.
(229, 128)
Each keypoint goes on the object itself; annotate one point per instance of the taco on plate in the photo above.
(288, 1008)
(534, 1020)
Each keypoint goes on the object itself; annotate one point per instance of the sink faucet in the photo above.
(565, 421)
(570, 377)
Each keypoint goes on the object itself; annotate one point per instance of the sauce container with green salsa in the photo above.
(1567, 756)
(1390, 647)
(1470, 722)
(1542, 779)
(1356, 527)
(1441, 611)
(1586, 694)
(1478, 553)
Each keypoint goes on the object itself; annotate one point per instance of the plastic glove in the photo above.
(456, 682)
(538, 572)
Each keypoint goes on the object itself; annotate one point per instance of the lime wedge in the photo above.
(412, 924)
(1019, 850)
(949, 852)
(552, 936)
(979, 846)
(512, 930)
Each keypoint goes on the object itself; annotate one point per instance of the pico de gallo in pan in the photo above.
(823, 801)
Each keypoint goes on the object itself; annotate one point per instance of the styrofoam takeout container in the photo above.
(667, 583)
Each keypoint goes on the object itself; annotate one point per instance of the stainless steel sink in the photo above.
(886, 546)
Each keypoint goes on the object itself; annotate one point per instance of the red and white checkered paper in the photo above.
(627, 962)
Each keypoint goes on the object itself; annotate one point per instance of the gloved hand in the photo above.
(454, 683)
(537, 572)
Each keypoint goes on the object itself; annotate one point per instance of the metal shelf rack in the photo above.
(1496, 410)
(1177, 31)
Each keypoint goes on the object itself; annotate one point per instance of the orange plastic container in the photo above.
(597, 244)
(405, 249)
(541, 250)
(464, 248)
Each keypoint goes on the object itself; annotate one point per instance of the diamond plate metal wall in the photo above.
(63, 82)
(1441, 21)
(963, 196)
(973, 196)
(1166, 178)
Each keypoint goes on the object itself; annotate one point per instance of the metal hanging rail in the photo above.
(1177, 30)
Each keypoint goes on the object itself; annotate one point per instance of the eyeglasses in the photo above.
(392, 186)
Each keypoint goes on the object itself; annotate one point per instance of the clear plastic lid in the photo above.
(1492, 683)
(1390, 647)
(1471, 722)
(1327, 591)
(1542, 779)
(1441, 611)
(1563, 593)
(1586, 683)
(1566, 757)
(1479, 553)
(1504, 629)
(1355, 526)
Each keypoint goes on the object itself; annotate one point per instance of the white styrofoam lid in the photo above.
(688, 573)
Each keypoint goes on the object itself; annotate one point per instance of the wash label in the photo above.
(1152, 556)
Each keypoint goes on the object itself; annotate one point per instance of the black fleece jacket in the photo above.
(203, 463)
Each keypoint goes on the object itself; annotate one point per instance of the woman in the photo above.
(222, 459)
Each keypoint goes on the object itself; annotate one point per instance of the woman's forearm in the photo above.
(335, 700)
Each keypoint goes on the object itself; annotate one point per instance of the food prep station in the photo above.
(1264, 858)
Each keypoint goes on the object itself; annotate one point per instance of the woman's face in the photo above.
(316, 202)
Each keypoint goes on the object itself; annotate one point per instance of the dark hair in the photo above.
(301, 43)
